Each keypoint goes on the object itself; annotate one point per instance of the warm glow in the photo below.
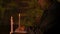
(22, 28)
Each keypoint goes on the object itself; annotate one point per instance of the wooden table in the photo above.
(19, 33)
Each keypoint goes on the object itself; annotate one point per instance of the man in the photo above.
(50, 19)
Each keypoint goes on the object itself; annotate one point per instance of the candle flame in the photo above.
(19, 14)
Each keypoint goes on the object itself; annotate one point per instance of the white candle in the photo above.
(11, 24)
(18, 29)
(19, 20)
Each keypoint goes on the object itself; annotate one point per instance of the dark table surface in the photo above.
(19, 33)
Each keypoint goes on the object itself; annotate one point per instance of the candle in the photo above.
(19, 20)
(11, 24)
(18, 29)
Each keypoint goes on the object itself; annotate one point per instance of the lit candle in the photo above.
(19, 20)
(18, 29)
(11, 24)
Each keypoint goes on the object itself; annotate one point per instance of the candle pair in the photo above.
(13, 22)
